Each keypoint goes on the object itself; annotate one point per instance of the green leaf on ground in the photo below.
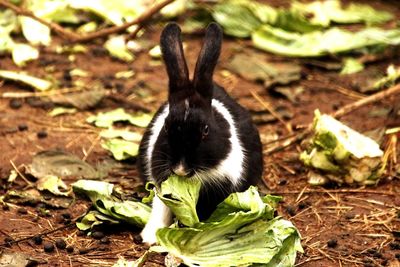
(22, 53)
(352, 65)
(52, 184)
(22, 77)
(106, 119)
(121, 149)
(319, 43)
(117, 47)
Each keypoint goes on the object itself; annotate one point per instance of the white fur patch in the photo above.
(160, 217)
(232, 166)
(155, 132)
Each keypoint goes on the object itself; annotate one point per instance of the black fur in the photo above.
(190, 111)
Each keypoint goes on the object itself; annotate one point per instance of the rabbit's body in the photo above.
(200, 133)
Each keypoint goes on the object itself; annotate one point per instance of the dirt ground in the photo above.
(340, 226)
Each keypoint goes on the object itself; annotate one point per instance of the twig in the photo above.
(65, 34)
(367, 100)
(76, 38)
(116, 29)
(20, 174)
(39, 94)
(41, 234)
(268, 107)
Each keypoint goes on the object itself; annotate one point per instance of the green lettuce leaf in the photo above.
(100, 193)
(319, 43)
(181, 195)
(241, 232)
(106, 119)
(22, 77)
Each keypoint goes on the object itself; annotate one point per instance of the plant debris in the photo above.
(345, 155)
(22, 77)
(106, 119)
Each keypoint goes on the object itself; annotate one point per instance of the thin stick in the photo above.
(268, 107)
(367, 100)
(117, 29)
(65, 34)
(76, 38)
(20, 174)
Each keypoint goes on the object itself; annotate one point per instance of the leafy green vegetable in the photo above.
(100, 193)
(325, 12)
(121, 149)
(242, 231)
(392, 76)
(57, 111)
(39, 84)
(319, 43)
(345, 154)
(181, 195)
(21, 53)
(117, 47)
(237, 18)
(124, 134)
(107, 119)
(52, 184)
(351, 66)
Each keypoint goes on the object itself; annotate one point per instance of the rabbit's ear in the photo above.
(174, 59)
(209, 54)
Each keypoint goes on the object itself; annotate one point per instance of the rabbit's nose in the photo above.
(180, 170)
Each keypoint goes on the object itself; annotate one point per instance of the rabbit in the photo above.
(199, 133)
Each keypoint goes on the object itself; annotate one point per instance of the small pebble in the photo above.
(15, 103)
(70, 249)
(80, 233)
(332, 243)
(282, 182)
(37, 239)
(66, 215)
(42, 134)
(137, 239)
(60, 243)
(105, 240)
(397, 255)
(22, 127)
(5, 207)
(97, 235)
(84, 251)
(22, 211)
(48, 246)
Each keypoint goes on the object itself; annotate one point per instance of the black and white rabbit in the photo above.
(200, 133)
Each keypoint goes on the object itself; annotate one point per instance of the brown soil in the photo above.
(346, 226)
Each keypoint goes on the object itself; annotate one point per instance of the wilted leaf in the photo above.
(121, 149)
(124, 74)
(61, 111)
(155, 52)
(351, 66)
(52, 184)
(35, 32)
(100, 193)
(22, 53)
(255, 68)
(236, 18)
(290, 92)
(393, 74)
(14, 259)
(24, 78)
(32, 197)
(117, 47)
(124, 134)
(60, 164)
(106, 119)
(319, 43)
(94, 218)
(344, 154)
(136, 263)
(174, 9)
(325, 12)
(82, 100)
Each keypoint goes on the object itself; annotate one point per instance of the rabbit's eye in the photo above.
(205, 131)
